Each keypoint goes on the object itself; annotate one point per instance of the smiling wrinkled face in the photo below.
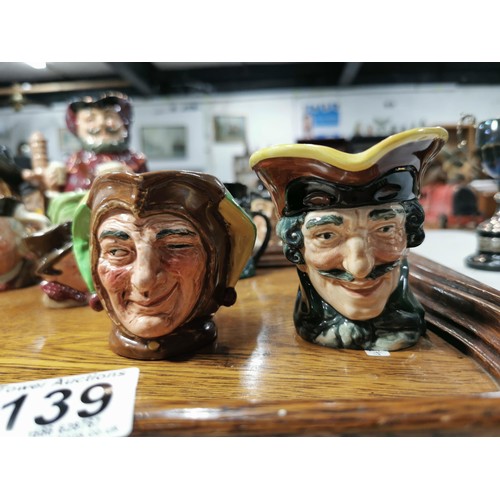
(100, 126)
(352, 257)
(152, 269)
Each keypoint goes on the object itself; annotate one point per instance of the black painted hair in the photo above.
(289, 230)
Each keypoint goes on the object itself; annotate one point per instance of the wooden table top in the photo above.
(260, 378)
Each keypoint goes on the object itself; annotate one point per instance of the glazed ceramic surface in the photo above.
(163, 251)
(103, 128)
(241, 194)
(15, 270)
(61, 283)
(487, 256)
(17, 264)
(346, 222)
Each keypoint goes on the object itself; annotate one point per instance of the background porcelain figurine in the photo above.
(487, 256)
(102, 126)
(346, 221)
(262, 223)
(17, 270)
(166, 250)
(62, 285)
(17, 264)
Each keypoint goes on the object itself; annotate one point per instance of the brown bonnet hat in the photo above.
(226, 231)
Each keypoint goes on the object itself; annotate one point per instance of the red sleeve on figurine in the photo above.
(82, 166)
(138, 162)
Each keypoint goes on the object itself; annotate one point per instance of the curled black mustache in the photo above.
(376, 272)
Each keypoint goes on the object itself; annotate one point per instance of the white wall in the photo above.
(18, 126)
(272, 117)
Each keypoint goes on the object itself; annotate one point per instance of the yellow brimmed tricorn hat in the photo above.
(305, 177)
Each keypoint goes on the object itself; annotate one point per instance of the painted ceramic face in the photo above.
(97, 127)
(152, 270)
(8, 249)
(352, 256)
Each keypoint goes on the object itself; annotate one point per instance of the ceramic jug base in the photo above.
(485, 261)
(183, 341)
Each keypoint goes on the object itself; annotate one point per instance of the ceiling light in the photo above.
(37, 65)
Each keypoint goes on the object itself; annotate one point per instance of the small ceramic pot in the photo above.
(163, 251)
(17, 264)
(16, 269)
(263, 224)
(273, 256)
(61, 283)
(347, 221)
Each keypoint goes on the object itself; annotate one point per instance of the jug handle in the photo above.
(263, 246)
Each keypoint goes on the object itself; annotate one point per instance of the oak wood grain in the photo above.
(260, 378)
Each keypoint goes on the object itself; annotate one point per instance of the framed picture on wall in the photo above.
(164, 142)
(320, 121)
(229, 129)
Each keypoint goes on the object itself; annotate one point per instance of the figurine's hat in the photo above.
(226, 230)
(119, 102)
(304, 177)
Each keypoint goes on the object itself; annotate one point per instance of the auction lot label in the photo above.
(93, 404)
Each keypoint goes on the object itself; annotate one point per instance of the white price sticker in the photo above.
(378, 353)
(93, 404)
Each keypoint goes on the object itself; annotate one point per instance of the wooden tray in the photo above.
(261, 379)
